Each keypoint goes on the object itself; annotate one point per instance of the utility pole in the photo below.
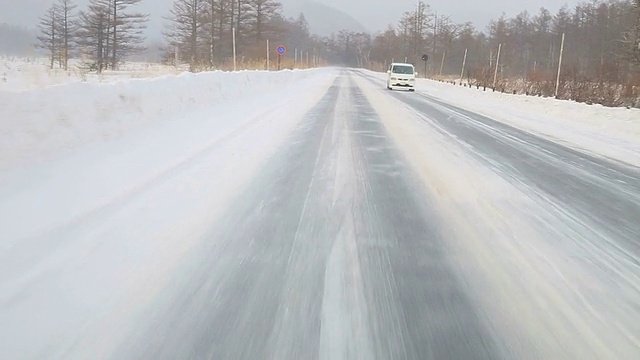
(233, 31)
(464, 63)
(444, 53)
(559, 66)
(495, 75)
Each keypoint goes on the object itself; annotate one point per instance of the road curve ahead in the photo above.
(391, 225)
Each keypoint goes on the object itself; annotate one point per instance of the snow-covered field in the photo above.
(40, 123)
(603, 131)
(21, 74)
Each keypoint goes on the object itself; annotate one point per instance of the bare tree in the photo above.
(448, 32)
(125, 30)
(185, 32)
(385, 47)
(259, 14)
(424, 19)
(414, 30)
(405, 30)
(211, 27)
(298, 32)
(108, 32)
(241, 11)
(542, 38)
(218, 24)
(362, 46)
(67, 30)
(93, 32)
(224, 23)
(49, 39)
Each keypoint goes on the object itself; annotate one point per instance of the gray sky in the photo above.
(373, 14)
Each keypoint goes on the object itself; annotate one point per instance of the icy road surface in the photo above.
(330, 220)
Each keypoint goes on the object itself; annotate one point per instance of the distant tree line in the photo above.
(601, 59)
(103, 34)
(198, 32)
(201, 32)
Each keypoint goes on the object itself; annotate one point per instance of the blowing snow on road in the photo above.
(313, 215)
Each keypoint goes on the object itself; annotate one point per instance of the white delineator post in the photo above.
(268, 59)
(495, 75)
(559, 66)
(464, 63)
(233, 31)
(295, 59)
(444, 54)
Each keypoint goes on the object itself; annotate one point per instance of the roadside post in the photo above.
(464, 63)
(425, 58)
(233, 31)
(281, 50)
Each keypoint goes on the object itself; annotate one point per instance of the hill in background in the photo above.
(323, 20)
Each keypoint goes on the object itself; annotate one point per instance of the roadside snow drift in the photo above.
(135, 174)
(599, 130)
(35, 125)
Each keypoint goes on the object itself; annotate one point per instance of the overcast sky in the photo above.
(373, 14)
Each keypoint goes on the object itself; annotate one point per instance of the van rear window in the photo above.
(402, 69)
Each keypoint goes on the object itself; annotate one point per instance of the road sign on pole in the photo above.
(281, 50)
(425, 58)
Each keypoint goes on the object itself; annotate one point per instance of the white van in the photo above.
(401, 76)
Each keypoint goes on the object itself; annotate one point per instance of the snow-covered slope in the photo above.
(30, 73)
(42, 123)
(323, 20)
(602, 131)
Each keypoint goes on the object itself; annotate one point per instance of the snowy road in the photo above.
(340, 222)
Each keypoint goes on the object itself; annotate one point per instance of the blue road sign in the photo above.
(281, 50)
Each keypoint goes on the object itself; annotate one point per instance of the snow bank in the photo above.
(37, 124)
(89, 239)
(609, 132)
(599, 130)
(21, 74)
